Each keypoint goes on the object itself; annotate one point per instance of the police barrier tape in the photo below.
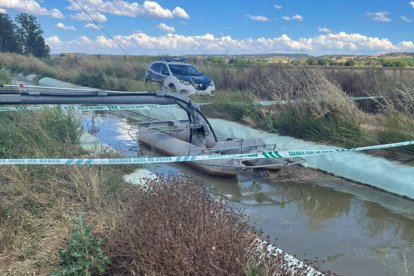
(87, 108)
(176, 159)
(86, 89)
(126, 107)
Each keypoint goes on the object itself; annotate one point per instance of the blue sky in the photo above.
(315, 27)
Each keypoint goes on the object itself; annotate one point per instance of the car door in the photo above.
(155, 72)
(164, 73)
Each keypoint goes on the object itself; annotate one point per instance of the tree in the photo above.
(322, 62)
(311, 61)
(8, 37)
(30, 36)
(350, 62)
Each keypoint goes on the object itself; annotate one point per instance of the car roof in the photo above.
(178, 63)
(172, 62)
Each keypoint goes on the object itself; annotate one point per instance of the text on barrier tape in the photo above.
(87, 108)
(176, 159)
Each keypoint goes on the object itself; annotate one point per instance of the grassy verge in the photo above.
(111, 73)
(5, 77)
(39, 202)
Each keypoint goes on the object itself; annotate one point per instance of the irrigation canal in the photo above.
(354, 229)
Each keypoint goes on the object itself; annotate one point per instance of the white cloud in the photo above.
(278, 7)
(84, 40)
(62, 26)
(180, 12)
(166, 28)
(56, 14)
(406, 46)
(29, 6)
(259, 18)
(105, 42)
(112, 7)
(411, 3)
(295, 17)
(324, 30)
(97, 16)
(3, 11)
(208, 42)
(92, 26)
(406, 19)
(142, 43)
(381, 16)
(53, 41)
(153, 9)
(125, 8)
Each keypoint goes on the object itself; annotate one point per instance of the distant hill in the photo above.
(253, 55)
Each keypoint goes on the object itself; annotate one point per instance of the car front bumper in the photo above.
(189, 90)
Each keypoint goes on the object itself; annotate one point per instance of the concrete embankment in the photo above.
(374, 171)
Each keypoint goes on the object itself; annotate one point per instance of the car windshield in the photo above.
(184, 70)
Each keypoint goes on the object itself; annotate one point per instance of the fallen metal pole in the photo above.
(51, 96)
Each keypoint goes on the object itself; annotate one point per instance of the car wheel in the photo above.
(172, 88)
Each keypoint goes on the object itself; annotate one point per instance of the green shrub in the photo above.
(28, 134)
(84, 255)
(254, 270)
(302, 122)
(233, 105)
(350, 62)
(5, 77)
(397, 127)
(312, 107)
(95, 79)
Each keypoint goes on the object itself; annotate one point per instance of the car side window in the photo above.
(156, 67)
(164, 69)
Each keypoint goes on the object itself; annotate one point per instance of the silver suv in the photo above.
(178, 76)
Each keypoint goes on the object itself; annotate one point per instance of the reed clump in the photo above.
(312, 108)
(307, 106)
(175, 228)
(5, 77)
(38, 134)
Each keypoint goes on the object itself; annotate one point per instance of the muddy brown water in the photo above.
(353, 229)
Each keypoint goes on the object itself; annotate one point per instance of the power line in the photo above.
(97, 24)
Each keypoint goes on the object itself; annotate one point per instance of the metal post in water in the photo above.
(137, 135)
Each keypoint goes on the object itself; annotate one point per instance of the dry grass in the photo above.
(315, 108)
(112, 72)
(38, 206)
(38, 203)
(312, 107)
(175, 228)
